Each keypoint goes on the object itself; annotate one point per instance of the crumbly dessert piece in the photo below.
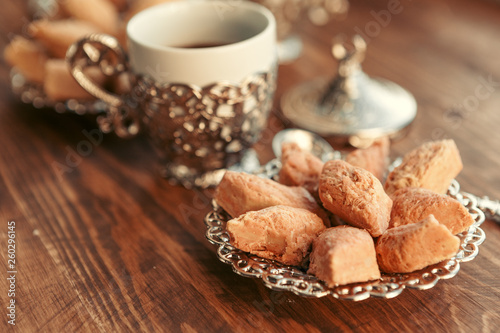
(299, 168)
(57, 36)
(240, 192)
(280, 233)
(433, 166)
(356, 196)
(100, 13)
(28, 57)
(60, 85)
(412, 204)
(374, 158)
(414, 246)
(342, 255)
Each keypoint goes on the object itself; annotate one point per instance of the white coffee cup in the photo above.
(203, 107)
(157, 38)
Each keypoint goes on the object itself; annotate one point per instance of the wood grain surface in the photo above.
(110, 246)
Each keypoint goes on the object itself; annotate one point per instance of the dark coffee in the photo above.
(203, 45)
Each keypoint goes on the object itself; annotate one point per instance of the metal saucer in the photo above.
(307, 141)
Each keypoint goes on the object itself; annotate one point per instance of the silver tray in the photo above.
(32, 93)
(277, 276)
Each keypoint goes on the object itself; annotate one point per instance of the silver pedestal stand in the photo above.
(352, 106)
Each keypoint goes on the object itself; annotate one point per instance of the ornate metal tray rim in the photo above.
(32, 93)
(277, 276)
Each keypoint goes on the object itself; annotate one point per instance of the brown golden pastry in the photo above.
(415, 246)
(412, 204)
(343, 255)
(299, 168)
(100, 13)
(374, 158)
(240, 192)
(57, 36)
(356, 196)
(280, 233)
(432, 166)
(28, 57)
(59, 85)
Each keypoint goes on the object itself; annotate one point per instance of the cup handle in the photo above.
(104, 51)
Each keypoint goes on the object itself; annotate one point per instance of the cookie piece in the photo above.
(356, 196)
(415, 246)
(342, 255)
(412, 204)
(57, 36)
(432, 166)
(299, 168)
(240, 192)
(28, 57)
(100, 13)
(280, 233)
(374, 158)
(60, 85)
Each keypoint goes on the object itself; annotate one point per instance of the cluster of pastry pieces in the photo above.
(39, 54)
(341, 221)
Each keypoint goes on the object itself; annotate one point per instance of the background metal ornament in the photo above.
(289, 12)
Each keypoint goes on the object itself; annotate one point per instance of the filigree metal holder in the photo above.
(277, 276)
(320, 12)
(200, 131)
(351, 105)
(197, 132)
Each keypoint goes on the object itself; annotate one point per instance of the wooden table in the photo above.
(111, 246)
